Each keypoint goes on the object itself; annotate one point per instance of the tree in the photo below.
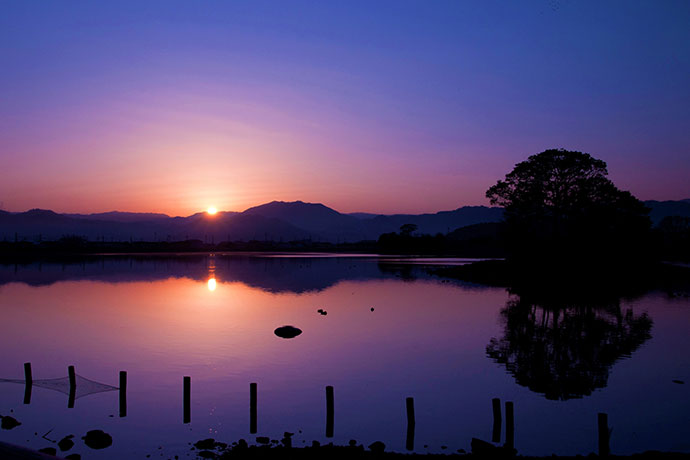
(560, 203)
(408, 229)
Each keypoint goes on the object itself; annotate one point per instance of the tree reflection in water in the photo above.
(563, 349)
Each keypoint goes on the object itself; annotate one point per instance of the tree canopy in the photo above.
(561, 202)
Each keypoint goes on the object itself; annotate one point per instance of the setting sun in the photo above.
(212, 210)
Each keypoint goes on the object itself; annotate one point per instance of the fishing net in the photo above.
(84, 386)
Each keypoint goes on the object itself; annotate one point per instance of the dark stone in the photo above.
(205, 444)
(377, 447)
(48, 450)
(287, 434)
(287, 332)
(286, 442)
(9, 423)
(315, 444)
(352, 443)
(66, 443)
(97, 439)
(444, 447)
(679, 382)
(263, 439)
(73, 457)
(480, 447)
(242, 444)
(207, 454)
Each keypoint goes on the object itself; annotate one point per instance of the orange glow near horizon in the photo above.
(211, 284)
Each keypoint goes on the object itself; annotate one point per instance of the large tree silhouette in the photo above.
(560, 203)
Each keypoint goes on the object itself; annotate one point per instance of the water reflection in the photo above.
(211, 284)
(295, 273)
(564, 348)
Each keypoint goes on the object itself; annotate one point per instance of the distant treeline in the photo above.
(670, 240)
(74, 246)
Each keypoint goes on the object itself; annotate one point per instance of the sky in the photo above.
(384, 106)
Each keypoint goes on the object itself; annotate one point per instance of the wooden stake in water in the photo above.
(409, 441)
(123, 394)
(187, 399)
(28, 383)
(72, 386)
(329, 411)
(252, 408)
(603, 425)
(510, 426)
(496, 437)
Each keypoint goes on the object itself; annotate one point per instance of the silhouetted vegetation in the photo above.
(75, 247)
(478, 240)
(561, 208)
(673, 238)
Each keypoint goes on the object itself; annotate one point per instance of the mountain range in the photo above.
(274, 221)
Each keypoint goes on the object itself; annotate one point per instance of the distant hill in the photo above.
(117, 216)
(275, 221)
(475, 231)
(312, 217)
(661, 209)
(363, 215)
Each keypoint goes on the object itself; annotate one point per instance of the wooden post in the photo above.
(72, 386)
(510, 426)
(329, 411)
(187, 399)
(123, 394)
(409, 441)
(252, 408)
(28, 383)
(496, 437)
(603, 425)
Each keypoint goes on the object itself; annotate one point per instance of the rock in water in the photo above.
(8, 422)
(480, 447)
(66, 443)
(287, 332)
(97, 439)
(205, 444)
(377, 447)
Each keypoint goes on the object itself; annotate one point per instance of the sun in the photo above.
(211, 210)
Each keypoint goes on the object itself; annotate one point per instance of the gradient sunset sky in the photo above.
(370, 106)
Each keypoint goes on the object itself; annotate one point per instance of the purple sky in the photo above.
(364, 106)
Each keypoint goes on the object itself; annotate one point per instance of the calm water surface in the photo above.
(451, 346)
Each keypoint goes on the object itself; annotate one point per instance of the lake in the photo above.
(452, 346)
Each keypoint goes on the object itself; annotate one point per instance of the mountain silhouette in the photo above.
(661, 209)
(313, 217)
(274, 221)
(118, 216)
